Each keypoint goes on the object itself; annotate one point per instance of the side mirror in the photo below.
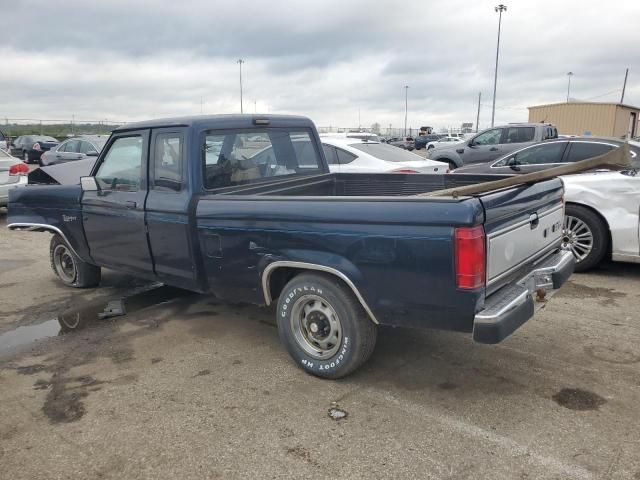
(89, 184)
(92, 153)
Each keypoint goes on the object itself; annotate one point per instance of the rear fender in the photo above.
(50, 208)
(306, 260)
(447, 157)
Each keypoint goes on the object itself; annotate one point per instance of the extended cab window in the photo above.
(520, 134)
(167, 162)
(490, 137)
(237, 157)
(121, 167)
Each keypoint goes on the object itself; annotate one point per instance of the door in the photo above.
(482, 148)
(167, 209)
(531, 159)
(113, 216)
(69, 152)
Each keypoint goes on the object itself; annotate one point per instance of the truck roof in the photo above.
(221, 121)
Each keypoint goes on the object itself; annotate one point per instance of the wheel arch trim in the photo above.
(42, 227)
(266, 275)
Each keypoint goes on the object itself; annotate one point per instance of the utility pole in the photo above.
(624, 85)
(255, 106)
(569, 74)
(500, 8)
(406, 107)
(73, 123)
(240, 62)
(478, 114)
(200, 105)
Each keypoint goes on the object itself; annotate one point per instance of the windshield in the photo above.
(99, 142)
(45, 139)
(386, 152)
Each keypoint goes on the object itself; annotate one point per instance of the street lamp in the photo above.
(500, 8)
(240, 62)
(406, 107)
(569, 74)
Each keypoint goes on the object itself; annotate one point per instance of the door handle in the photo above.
(130, 204)
(460, 150)
(493, 149)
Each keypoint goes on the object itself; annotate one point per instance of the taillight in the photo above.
(470, 257)
(18, 169)
(404, 170)
(36, 146)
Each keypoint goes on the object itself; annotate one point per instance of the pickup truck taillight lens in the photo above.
(36, 146)
(470, 257)
(18, 169)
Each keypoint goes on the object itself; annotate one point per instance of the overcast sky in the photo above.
(334, 61)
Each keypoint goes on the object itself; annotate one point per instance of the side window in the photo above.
(121, 168)
(86, 147)
(583, 150)
(330, 154)
(238, 157)
(541, 154)
(490, 137)
(72, 146)
(520, 134)
(167, 162)
(345, 157)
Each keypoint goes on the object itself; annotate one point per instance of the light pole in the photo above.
(240, 62)
(569, 74)
(500, 8)
(406, 107)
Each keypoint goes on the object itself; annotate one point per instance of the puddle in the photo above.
(578, 399)
(79, 317)
(25, 335)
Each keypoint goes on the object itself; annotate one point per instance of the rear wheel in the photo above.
(323, 326)
(73, 271)
(585, 235)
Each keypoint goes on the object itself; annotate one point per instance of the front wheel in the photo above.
(585, 235)
(73, 271)
(323, 327)
(430, 147)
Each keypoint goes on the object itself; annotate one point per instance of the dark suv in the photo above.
(422, 140)
(492, 143)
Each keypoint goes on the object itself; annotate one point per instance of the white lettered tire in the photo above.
(323, 326)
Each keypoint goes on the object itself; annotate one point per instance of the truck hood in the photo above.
(62, 174)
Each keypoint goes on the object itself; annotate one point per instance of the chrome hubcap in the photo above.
(64, 263)
(316, 327)
(577, 237)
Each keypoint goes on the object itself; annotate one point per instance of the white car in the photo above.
(350, 155)
(602, 217)
(443, 140)
(13, 174)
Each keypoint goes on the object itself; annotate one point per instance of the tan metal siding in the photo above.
(577, 118)
(622, 120)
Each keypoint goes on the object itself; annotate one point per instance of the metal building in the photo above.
(589, 118)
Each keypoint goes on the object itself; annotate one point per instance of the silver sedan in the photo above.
(13, 174)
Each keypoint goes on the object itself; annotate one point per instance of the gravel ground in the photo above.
(191, 388)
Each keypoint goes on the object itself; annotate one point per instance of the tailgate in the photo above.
(523, 225)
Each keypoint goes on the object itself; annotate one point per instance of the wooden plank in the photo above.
(616, 159)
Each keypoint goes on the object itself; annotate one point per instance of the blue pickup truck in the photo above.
(244, 207)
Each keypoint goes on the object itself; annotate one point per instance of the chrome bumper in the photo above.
(511, 306)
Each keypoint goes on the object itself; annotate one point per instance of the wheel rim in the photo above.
(64, 263)
(577, 237)
(316, 327)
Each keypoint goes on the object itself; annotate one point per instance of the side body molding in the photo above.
(312, 266)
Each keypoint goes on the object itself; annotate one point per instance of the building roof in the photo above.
(617, 104)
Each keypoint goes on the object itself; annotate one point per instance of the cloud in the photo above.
(336, 62)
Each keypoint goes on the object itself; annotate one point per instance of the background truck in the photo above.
(492, 143)
(195, 203)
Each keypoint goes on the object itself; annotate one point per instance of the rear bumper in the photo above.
(511, 306)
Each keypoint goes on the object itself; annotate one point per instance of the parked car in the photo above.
(442, 141)
(31, 147)
(13, 174)
(339, 253)
(421, 141)
(76, 148)
(406, 143)
(492, 143)
(4, 141)
(548, 154)
(349, 155)
(601, 217)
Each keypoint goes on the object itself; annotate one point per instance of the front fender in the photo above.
(50, 208)
(447, 157)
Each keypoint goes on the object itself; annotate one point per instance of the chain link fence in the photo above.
(60, 129)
